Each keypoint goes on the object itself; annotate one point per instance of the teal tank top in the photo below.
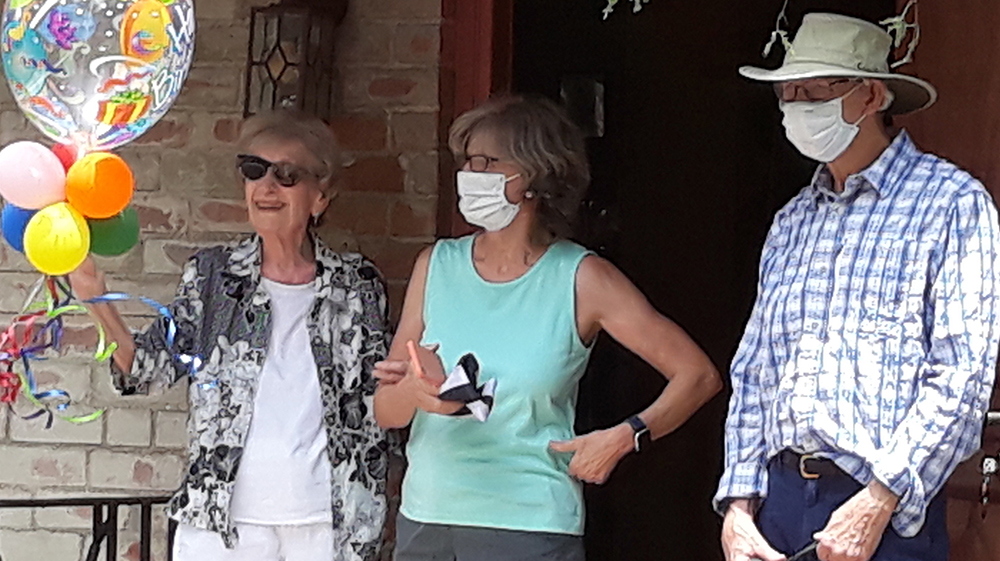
(501, 473)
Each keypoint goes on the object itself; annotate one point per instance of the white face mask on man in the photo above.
(482, 199)
(818, 129)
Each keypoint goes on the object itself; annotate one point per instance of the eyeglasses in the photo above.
(477, 162)
(812, 90)
(253, 168)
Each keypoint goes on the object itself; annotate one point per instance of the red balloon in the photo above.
(66, 153)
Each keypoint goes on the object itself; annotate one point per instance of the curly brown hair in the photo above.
(538, 135)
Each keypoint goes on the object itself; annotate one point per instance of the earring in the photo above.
(529, 195)
(314, 220)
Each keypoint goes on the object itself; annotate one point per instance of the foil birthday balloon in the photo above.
(96, 73)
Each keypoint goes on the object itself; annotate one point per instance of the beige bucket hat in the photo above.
(836, 46)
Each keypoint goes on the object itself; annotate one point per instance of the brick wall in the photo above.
(188, 197)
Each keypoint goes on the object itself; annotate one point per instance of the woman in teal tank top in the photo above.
(527, 304)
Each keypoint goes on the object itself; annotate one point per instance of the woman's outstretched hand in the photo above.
(423, 379)
(389, 372)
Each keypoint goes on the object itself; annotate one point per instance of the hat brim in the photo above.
(912, 94)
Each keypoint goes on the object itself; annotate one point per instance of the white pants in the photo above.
(310, 542)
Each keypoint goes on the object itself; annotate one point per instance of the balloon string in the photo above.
(40, 328)
(37, 330)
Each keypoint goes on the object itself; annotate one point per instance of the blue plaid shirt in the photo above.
(873, 340)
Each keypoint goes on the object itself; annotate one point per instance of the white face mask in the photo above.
(818, 129)
(482, 199)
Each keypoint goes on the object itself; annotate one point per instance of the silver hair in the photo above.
(294, 126)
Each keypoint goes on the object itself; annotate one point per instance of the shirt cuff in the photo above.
(896, 475)
(742, 480)
(899, 478)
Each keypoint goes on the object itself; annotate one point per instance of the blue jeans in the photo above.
(796, 508)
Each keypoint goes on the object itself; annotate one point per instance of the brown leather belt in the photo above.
(809, 466)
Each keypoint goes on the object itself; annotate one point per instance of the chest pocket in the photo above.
(889, 282)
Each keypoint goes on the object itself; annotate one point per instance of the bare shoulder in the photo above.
(424, 257)
(422, 262)
(598, 274)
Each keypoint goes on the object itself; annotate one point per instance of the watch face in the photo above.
(642, 439)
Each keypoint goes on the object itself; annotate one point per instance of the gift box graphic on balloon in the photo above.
(123, 109)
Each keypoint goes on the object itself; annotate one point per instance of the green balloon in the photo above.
(116, 235)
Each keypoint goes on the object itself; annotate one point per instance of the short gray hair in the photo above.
(538, 135)
(288, 125)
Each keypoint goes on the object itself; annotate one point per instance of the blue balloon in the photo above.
(13, 221)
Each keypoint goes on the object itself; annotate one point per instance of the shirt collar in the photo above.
(882, 176)
(245, 262)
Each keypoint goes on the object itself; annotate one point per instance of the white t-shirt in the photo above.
(284, 475)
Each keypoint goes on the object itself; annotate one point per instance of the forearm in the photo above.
(394, 407)
(117, 332)
(742, 506)
(682, 397)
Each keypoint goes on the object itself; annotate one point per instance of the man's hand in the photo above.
(855, 529)
(741, 540)
(596, 454)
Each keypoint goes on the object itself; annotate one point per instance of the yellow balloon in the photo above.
(57, 239)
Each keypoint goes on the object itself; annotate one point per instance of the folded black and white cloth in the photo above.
(463, 385)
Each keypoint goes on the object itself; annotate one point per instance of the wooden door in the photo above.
(475, 63)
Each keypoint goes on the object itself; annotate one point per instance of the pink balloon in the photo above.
(31, 176)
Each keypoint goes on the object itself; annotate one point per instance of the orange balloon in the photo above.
(99, 185)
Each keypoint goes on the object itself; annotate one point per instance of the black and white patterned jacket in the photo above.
(223, 317)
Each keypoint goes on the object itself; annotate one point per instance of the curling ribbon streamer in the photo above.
(39, 328)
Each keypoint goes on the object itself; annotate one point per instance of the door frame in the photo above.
(476, 62)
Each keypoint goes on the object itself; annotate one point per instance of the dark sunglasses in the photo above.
(253, 168)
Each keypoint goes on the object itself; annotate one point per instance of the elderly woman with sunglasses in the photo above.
(528, 304)
(278, 335)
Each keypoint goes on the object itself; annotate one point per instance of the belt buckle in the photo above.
(802, 467)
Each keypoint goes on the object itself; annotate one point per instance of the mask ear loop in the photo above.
(779, 33)
(898, 27)
(848, 94)
(889, 98)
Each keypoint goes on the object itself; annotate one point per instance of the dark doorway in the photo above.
(691, 168)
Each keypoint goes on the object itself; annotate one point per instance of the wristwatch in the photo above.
(642, 436)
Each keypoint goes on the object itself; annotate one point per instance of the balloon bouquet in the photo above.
(92, 75)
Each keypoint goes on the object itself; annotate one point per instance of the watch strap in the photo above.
(640, 430)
